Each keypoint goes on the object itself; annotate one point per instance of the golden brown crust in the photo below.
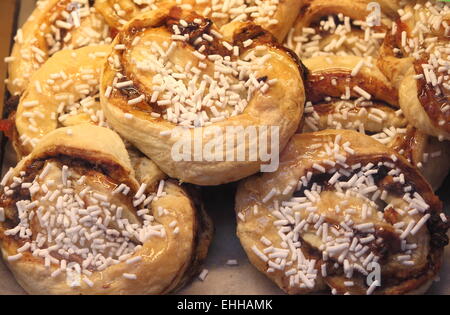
(205, 231)
(166, 263)
(34, 46)
(45, 107)
(406, 52)
(314, 10)
(334, 104)
(147, 131)
(327, 27)
(277, 20)
(330, 76)
(299, 158)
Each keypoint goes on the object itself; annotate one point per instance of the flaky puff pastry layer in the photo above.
(100, 155)
(413, 57)
(335, 104)
(275, 16)
(74, 77)
(305, 233)
(33, 45)
(281, 106)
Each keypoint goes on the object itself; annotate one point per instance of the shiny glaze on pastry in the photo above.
(415, 57)
(328, 27)
(340, 201)
(337, 88)
(63, 92)
(176, 52)
(76, 221)
(53, 25)
(276, 16)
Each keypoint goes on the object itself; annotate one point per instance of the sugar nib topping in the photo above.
(353, 233)
(218, 80)
(77, 227)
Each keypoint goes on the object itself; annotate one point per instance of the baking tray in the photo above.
(222, 279)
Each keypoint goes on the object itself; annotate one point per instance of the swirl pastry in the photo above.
(54, 25)
(340, 207)
(173, 77)
(74, 220)
(350, 93)
(273, 15)
(415, 56)
(63, 92)
(327, 27)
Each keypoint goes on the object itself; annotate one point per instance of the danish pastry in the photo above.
(273, 15)
(350, 93)
(54, 25)
(415, 57)
(345, 212)
(74, 220)
(63, 92)
(173, 78)
(327, 27)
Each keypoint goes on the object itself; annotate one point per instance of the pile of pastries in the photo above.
(104, 94)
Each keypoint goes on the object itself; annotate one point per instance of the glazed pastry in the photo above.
(273, 15)
(347, 77)
(74, 220)
(350, 93)
(63, 92)
(340, 205)
(415, 57)
(328, 27)
(174, 80)
(54, 25)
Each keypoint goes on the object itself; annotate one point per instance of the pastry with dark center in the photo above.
(75, 220)
(63, 92)
(343, 212)
(173, 78)
(415, 57)
(351, 93)
(276, 16)
(342, 28)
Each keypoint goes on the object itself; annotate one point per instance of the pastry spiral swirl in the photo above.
(415, 58)
(273, 15)
(53, 25)
(327, 27)
(74, 220)
(63, 92)
(171, 69)
(351, 93)
(339, 203)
